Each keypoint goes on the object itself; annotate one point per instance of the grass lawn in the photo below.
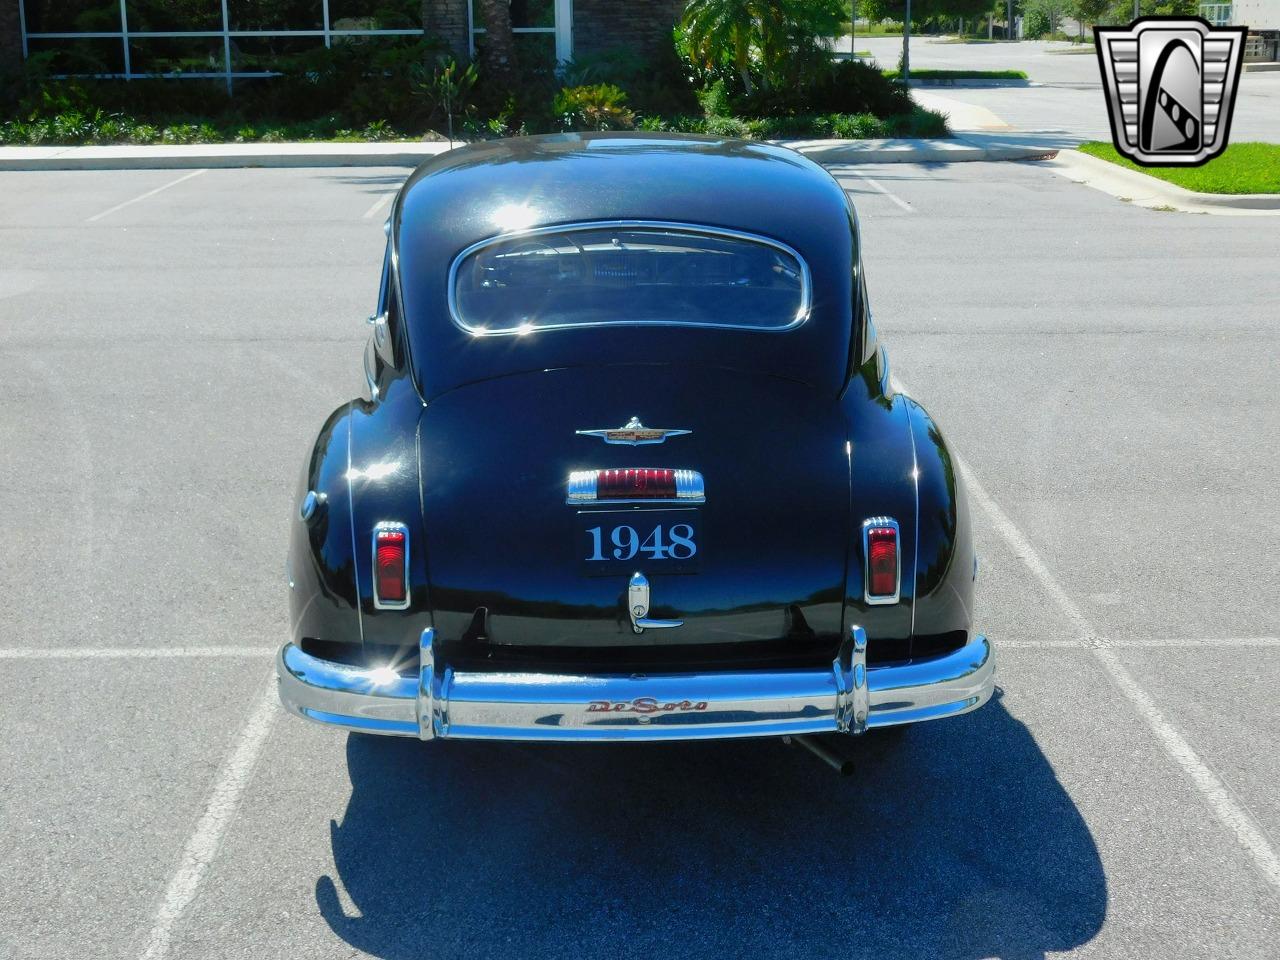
(960, 74)
(1242, 168)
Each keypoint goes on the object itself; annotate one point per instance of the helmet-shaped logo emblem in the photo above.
(1170, 84)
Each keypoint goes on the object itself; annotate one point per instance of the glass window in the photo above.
(176, 55)
(174, 16)
(72, 16)
(251, 54)
(276, 14)
(375, 14)
(88, 57)
(630, 276)
(533, 13)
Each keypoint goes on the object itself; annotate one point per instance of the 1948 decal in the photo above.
(644, 705)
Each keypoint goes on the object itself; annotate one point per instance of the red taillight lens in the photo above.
(882, 561)
(388, 575)
(636, 484)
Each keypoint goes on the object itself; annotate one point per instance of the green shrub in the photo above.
(599, 106)
(727, 127)
(714, 100)
(655, 84)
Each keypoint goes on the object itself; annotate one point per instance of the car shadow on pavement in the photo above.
(952, 840)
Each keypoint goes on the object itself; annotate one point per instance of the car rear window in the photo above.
(630, 275)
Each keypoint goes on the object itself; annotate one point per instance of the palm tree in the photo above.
(780, 33)
(714, 27)
(498, 49)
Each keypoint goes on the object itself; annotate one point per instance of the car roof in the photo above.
(487, 189)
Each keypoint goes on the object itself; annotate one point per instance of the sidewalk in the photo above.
(410, 154)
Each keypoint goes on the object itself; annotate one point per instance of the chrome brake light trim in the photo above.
(582, 489)
(880, 599)
(390, 526)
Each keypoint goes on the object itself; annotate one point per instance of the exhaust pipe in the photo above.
(842, 765)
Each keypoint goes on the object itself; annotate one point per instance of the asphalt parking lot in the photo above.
(169, 343)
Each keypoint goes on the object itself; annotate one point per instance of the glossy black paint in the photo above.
(469, 441)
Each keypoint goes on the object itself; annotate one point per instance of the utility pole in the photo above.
(1137, 11)
(1008, 30)
(906, 46)
(853, 26)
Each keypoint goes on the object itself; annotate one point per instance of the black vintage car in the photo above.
(630, 467)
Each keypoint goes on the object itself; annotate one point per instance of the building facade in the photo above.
(240, 38)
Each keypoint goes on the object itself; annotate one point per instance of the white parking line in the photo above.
(202, 845)
(885, 190)
(381, 202)
(149, 193)
(1141, 643)
(121, 653)
(1233, 815)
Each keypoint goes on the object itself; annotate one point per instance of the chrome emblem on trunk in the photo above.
(634, 434)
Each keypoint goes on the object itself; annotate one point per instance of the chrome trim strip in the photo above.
(389, 526)
(581, 488)
(806, 277)
(557, 707)
(880, 600)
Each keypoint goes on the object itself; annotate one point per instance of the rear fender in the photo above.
(323, 602)
(945, 563)
(383, 479)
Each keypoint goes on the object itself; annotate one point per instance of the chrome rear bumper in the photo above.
(848, 697)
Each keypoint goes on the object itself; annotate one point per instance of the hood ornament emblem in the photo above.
(634, 434)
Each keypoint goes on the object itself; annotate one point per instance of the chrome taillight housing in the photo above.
(882, 563)
(635, 485)
(390, 566)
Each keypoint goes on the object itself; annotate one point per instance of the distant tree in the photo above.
(760, 37)
(922, 10)
(1044, 16)
(1091, 12)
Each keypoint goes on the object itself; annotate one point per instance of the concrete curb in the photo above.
(973, 83)
(219, 155)
(233, 155)
(1146, 191)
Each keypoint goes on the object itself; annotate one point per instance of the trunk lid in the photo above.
(516, 572)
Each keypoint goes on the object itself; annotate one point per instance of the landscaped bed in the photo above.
(960, 74)
(725, 72)
(1242, 168)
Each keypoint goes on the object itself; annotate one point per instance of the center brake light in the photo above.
(390, 566)
(883, 568)
(635, 484)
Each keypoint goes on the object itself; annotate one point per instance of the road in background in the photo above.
(1063, 103)
(1108, 375)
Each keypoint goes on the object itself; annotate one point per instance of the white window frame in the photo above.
(124, 35)
(562, 28)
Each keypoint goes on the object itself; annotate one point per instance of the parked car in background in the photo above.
(630, 466)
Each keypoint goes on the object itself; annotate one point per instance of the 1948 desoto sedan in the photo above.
(630, 467)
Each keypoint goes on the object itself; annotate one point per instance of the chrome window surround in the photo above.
(880, 600)
(806, 278)
(390, 526)
(582, 489)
